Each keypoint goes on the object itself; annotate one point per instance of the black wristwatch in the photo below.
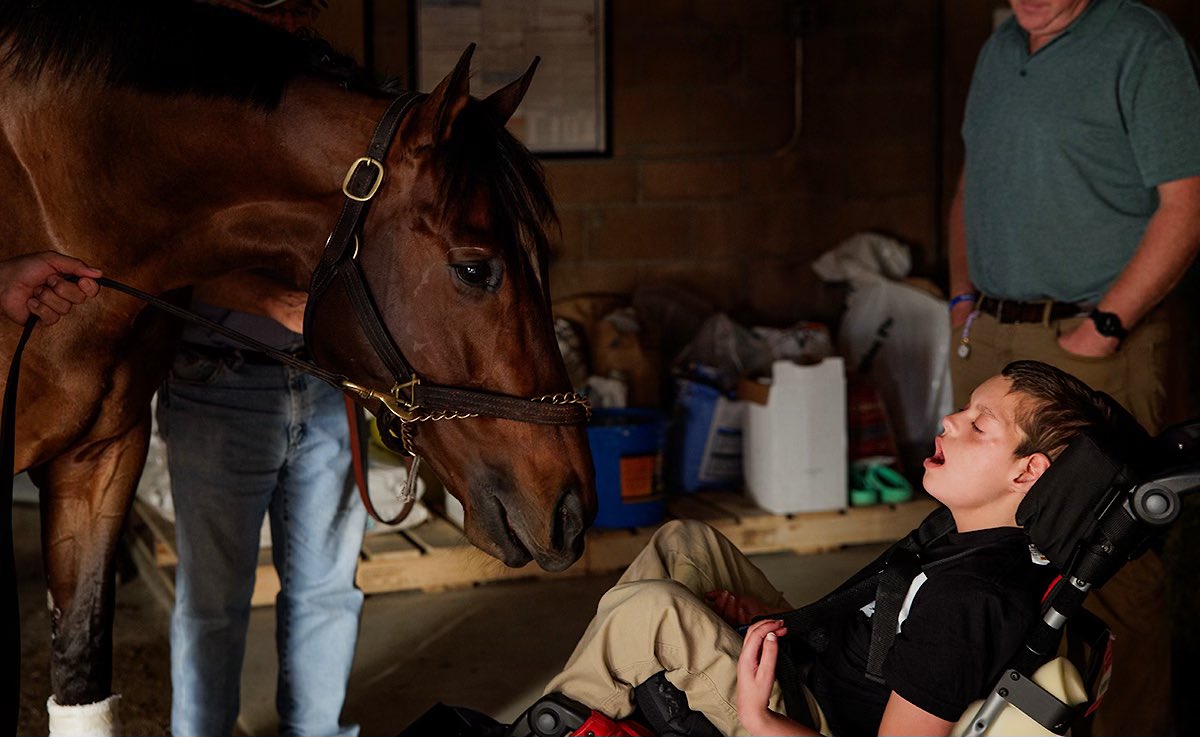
(1108, 324)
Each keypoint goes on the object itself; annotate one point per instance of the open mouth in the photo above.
(938, 458)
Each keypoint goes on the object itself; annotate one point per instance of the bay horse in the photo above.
(169, 142)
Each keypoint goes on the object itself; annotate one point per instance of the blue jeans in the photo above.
(245, 440)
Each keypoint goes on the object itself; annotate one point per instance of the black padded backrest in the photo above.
(1061, 509)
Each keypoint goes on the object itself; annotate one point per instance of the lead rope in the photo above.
(408, 495)
(335, 380)
(12, 640)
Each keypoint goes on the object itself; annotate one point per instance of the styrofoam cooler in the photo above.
(794, 435)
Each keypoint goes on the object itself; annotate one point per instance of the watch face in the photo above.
(1108, 324)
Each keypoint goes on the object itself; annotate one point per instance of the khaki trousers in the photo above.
(1135, 376)
(654, 619)
(1134, 602)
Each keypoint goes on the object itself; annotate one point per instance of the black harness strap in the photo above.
(338, 260)
(409, 400)
(894, 582)
(288, 359)
(876, 581)
(361, 183)
(351, 277)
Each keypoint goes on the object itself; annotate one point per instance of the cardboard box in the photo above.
(794, 438)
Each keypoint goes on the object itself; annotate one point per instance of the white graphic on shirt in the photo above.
(913, 588)
(1036, 556)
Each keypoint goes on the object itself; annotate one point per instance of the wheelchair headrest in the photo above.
(1062, 508)
(1073, 503)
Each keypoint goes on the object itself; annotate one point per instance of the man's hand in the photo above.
(1086, 341)
(35, 284)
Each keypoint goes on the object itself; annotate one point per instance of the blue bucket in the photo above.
(626, 445)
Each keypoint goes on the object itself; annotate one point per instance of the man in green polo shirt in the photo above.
(1077, 212)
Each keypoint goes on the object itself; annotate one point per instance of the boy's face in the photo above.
(973, 469)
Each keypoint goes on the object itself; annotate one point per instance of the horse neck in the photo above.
(170, 191)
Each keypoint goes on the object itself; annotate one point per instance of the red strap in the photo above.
(358, 451)
(598, 724)
(358, 459)
(1051, 588)
(1105, 677)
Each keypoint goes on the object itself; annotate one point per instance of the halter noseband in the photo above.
(410, 400)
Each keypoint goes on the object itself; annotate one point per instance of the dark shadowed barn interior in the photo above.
(741, 142)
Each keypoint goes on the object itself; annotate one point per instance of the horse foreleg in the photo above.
(85, 495)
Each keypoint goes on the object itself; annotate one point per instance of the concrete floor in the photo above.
(491, 647)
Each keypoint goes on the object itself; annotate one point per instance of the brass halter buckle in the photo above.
(411, 385)
(404, 410)
(378, 180)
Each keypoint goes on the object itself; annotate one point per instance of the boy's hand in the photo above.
(737, 610)
(35, 283)
(756, 678)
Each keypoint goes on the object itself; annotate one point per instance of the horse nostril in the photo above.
(568, 518)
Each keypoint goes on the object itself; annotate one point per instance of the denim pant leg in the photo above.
(227, 439)
(317, 525)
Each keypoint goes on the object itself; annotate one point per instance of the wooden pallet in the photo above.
(436, 555)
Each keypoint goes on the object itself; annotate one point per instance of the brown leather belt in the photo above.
(1012, 311)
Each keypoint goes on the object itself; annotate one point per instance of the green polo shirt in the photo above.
(1064, 149)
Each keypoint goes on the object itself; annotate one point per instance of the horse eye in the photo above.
(478, 274)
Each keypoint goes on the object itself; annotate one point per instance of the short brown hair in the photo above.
(1057, 408)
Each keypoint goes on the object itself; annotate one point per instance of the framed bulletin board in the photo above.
(566, 111)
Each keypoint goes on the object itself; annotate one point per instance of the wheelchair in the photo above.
(1102, 503)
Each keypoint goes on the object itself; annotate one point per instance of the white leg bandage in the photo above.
(87, 720)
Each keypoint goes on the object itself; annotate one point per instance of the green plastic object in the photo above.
(892, 487)
(876, 482)
(863, 498)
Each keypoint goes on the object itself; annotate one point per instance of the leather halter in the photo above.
(409, 400)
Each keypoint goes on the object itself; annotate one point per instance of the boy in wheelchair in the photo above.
(693, 610)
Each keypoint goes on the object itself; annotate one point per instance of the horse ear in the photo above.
(450, 97)
(504, 101)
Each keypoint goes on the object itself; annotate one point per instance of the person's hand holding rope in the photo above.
(35, 283)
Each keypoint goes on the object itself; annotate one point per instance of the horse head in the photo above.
(452, 256)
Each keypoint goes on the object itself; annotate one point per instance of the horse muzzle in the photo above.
(502, 529)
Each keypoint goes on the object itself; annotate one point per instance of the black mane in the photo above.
(166, 46)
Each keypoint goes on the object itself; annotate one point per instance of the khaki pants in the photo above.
(1134, 602)
(654, 619)
(1135, 376)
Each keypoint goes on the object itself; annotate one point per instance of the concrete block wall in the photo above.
(715, 185)
(714, 182)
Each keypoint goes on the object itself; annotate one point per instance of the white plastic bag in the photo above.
(895, 333)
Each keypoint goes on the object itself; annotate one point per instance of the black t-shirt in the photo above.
(961, 627)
